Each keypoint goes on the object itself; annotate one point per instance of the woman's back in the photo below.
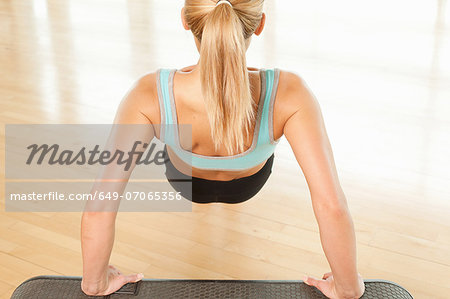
(190, 109)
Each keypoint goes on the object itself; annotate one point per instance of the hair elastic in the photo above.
(224, 1)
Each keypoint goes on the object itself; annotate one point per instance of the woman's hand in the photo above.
(328, 287)
(115, 280)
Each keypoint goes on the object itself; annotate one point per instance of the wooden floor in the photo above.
(381, 72)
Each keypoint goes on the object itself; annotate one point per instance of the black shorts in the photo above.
(208, 191)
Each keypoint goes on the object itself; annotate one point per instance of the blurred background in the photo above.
(380, 71)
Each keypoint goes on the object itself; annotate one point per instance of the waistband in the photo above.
(254, 178)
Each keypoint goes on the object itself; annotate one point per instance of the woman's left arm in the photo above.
(306, 133)
(98, 227)
(97, 239)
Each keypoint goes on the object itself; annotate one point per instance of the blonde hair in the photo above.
(223, 32)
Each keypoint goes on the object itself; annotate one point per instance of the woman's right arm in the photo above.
(306, 134)
(130, 125)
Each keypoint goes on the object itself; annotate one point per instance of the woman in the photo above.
(248, 110)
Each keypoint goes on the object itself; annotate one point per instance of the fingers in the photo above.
(311, 281)
(322, 285)
(132, 278)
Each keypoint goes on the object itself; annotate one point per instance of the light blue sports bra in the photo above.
(263, 144)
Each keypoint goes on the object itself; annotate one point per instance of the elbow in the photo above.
(98, 216)
(92, 223)
(331, 207)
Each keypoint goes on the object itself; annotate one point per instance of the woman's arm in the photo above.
(306, 133)
(97, 239)
(98, 224)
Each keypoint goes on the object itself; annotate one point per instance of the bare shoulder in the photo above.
(294, 95)
(144, 91)
(304, 127)
(141, 98)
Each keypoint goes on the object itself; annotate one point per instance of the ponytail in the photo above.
(223, 68)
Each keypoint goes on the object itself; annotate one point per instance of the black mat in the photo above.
(69, 287)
